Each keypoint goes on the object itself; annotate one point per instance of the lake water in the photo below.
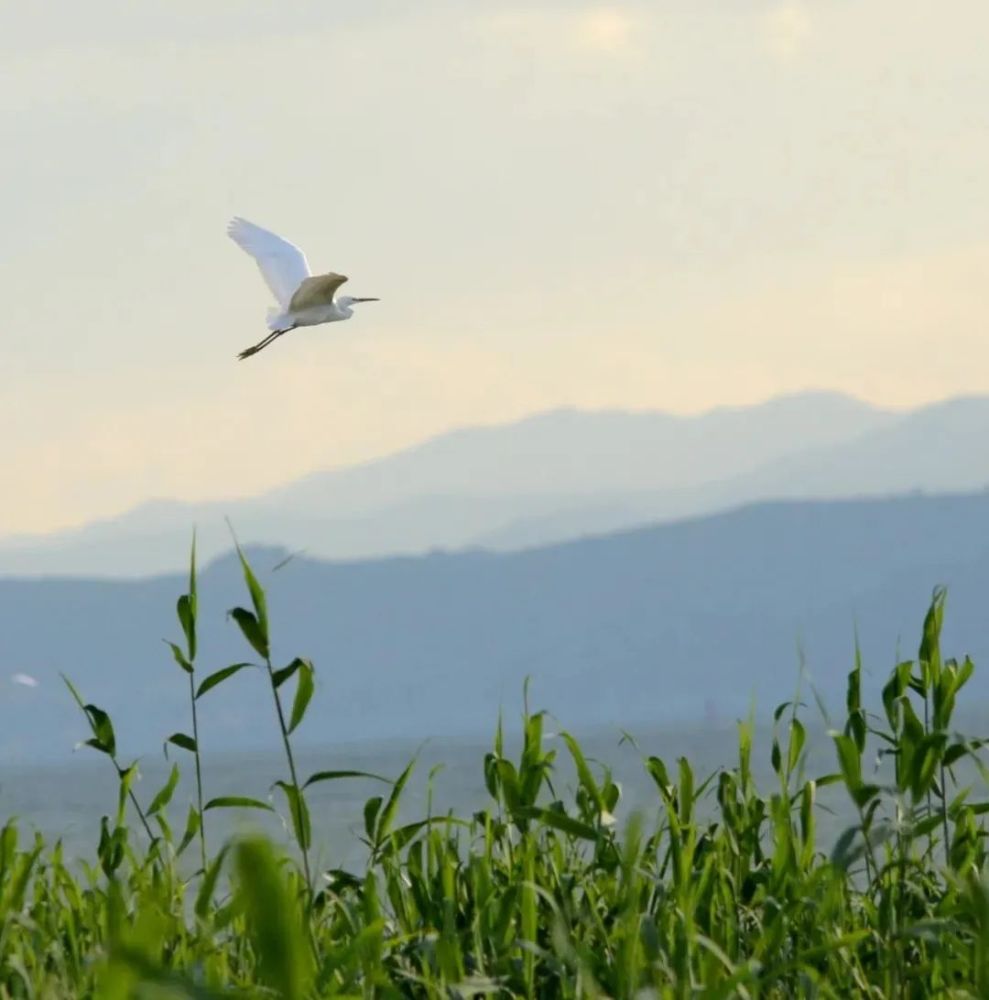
(68, 799)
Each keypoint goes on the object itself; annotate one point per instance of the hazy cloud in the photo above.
(573, 34)
(788, 29)
(605, 29)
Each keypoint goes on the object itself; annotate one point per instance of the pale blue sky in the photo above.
(665, 204)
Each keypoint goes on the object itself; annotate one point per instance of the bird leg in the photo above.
(263, 343)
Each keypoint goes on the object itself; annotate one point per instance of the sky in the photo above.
(670, 205)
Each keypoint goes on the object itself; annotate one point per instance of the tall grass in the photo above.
(723, 891)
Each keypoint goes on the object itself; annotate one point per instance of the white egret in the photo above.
(304, 298)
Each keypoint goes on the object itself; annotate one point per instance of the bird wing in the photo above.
(316, 291)
(282, 264)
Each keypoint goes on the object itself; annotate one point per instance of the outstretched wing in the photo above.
(316, 291)
(282, 264)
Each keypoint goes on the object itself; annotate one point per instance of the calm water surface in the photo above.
(67, 799)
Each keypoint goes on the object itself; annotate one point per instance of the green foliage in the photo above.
(545, 892)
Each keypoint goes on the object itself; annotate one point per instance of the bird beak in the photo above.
(367, 300)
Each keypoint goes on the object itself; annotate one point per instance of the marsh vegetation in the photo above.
(553, 888)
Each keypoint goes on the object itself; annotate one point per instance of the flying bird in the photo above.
(304, 298)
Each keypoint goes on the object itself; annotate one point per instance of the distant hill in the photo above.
(937, 449)
(575, 453)
(551, 478)
(676, 621)
(564, 472)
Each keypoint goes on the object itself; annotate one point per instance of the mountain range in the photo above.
(555, 476)
(685, 621)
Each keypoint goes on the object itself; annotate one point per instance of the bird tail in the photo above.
(277, 320)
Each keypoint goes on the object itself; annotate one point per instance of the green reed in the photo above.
(722, 890)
